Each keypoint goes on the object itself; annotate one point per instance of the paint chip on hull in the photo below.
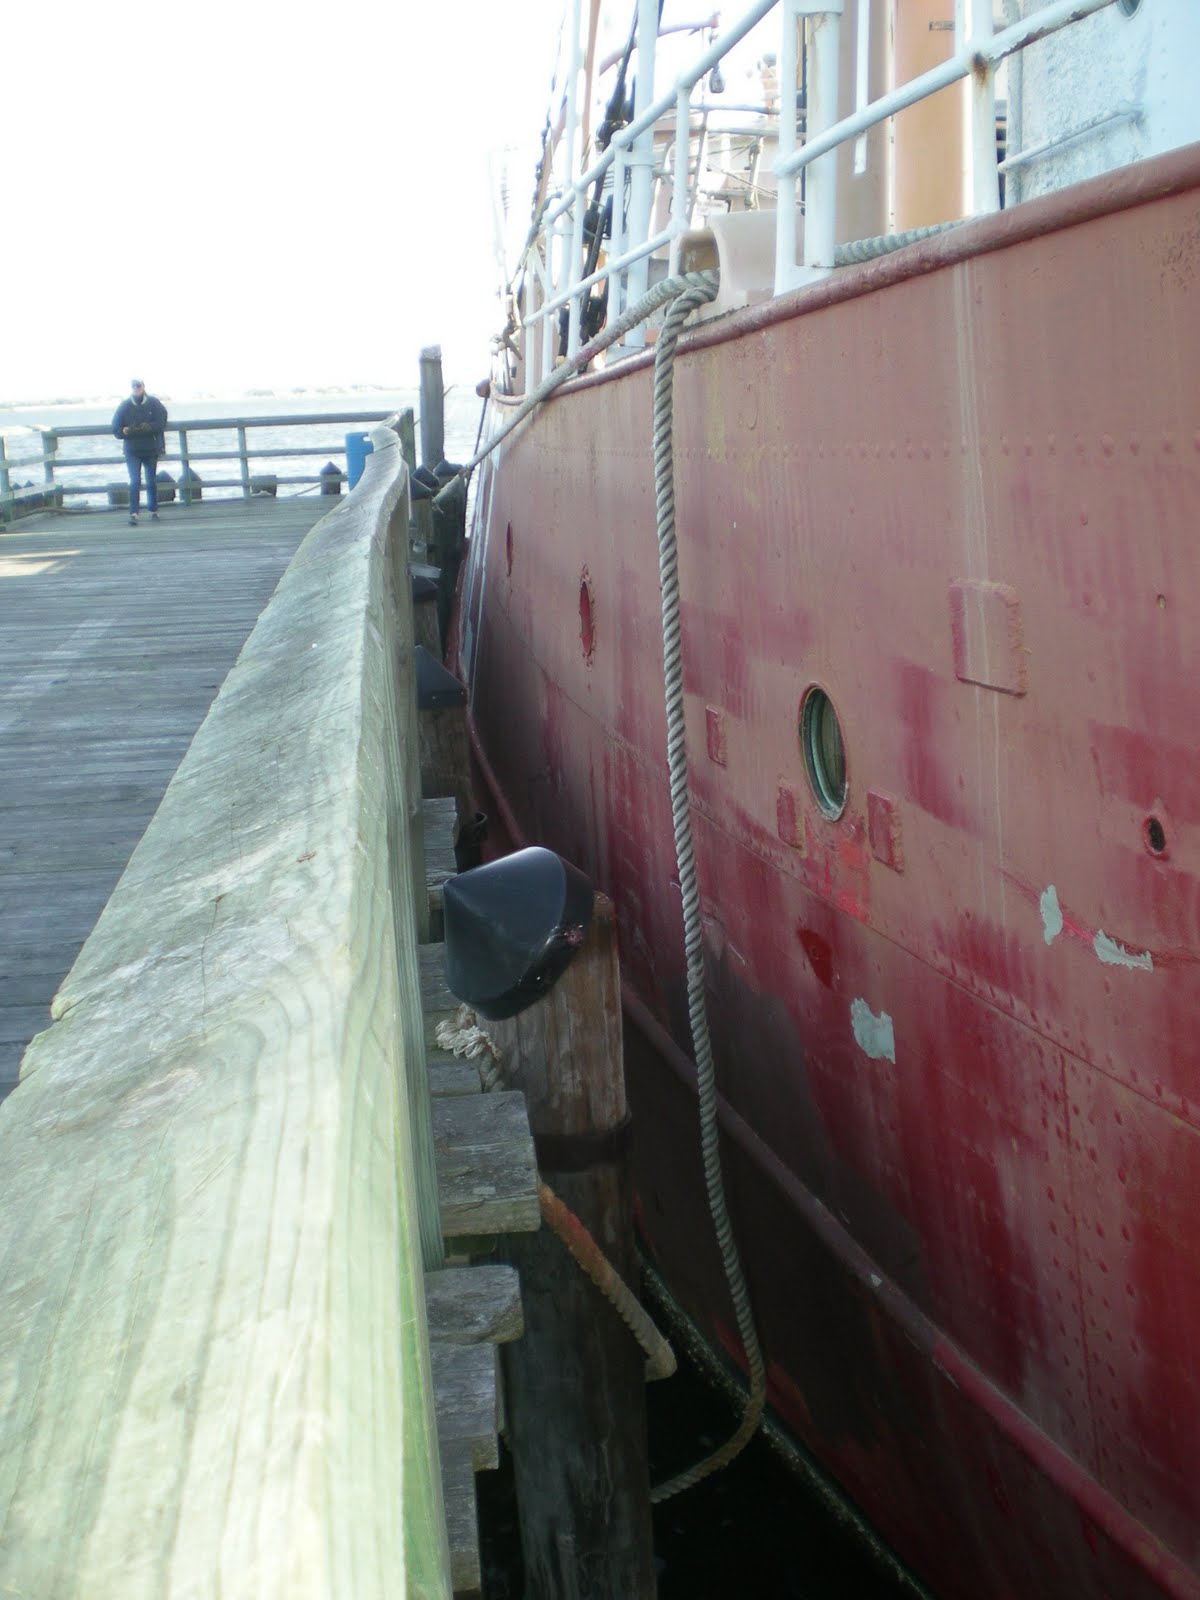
(1115, 955)
(873, 1033)
(1052, 917)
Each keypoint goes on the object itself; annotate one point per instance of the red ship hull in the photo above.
(956, 1033)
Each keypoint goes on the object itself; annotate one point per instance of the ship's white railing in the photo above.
(556, 253)
(630, 153)
(978, 51)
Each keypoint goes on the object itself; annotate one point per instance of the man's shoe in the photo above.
(133, 519)
(154, 516)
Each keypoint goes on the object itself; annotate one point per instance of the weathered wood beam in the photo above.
(215, 1374)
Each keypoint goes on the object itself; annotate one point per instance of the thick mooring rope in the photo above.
(845, 255)
(573, 365)
(466, 1038)
(686, 292)
(883, 244)
(664, 491)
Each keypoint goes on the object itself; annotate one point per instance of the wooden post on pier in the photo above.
(433, 430)
(449, 537)
(408, 439)
(575, 1384)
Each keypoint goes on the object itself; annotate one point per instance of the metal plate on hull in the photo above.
(963, 502)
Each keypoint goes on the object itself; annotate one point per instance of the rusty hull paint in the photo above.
(975, 1265)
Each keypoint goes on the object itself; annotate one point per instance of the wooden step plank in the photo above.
(464, 1389)
(441, 824)
(437, 1003)
(435, 996)
(474, 1305)
(462, 1516)
(447, 1075)
(487, 1170)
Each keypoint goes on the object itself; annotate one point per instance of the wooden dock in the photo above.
(113, 642)
(241, 1350)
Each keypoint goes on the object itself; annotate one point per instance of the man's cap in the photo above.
(136, 383)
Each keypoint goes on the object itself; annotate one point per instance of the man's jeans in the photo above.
(136, 465)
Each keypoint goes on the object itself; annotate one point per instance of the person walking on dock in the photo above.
(139, 422)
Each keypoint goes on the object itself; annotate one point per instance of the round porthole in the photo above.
(1128, 7)
(824, 752)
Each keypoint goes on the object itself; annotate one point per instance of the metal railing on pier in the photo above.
(61, 472)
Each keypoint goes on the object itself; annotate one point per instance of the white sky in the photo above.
(253, 194)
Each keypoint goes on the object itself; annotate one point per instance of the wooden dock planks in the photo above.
(113, 643)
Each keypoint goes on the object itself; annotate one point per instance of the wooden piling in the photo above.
(575, 1384)
(408, 438)
(449, 537)
(432, 407)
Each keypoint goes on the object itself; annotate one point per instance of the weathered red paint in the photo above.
(964, 499)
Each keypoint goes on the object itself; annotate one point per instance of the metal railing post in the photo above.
(244, 459)
(185, 471)
(641, 191)
(547, 294)
(820, 191)
(49, 451)
(982, 187)
(862, 78)
(617, 298)
(681, 207)
(575, 272)
(785, 199)
(570, 267)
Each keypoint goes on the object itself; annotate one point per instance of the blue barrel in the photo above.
(358, 448)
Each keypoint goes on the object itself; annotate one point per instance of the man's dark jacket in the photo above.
(145, 423)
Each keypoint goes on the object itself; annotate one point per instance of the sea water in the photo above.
(757, 1530)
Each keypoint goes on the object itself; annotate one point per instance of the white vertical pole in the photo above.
(548, 321)
(576, 271)
(680, 198)
(820, 190)
(641, 194)
(616, 284)
(570, 270)
(984, 192)
(785, 202)
(547, 343)
(862, 78)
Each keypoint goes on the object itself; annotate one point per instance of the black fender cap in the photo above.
(512, 928)
(437, 687)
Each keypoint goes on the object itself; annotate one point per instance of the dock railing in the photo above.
(53, 460)
(216, 1169)
(555, 260)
